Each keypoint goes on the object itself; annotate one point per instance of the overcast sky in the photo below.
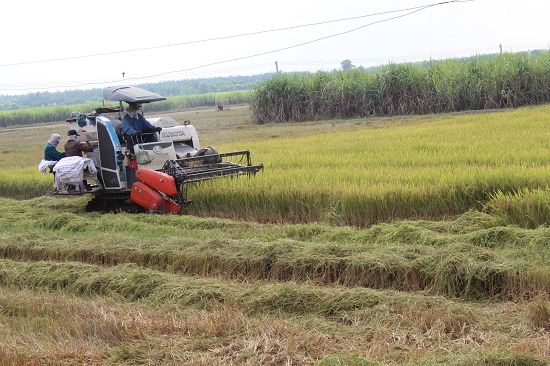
(67, 44)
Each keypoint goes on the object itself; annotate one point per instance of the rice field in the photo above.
(379, 172)
(79, 288)
(378, 241)
(350, 173)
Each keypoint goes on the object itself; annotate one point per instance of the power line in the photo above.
(300, 44)
(224, 37)
(410, 12)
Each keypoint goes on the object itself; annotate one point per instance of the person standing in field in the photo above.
(50, 151)
(134, 124)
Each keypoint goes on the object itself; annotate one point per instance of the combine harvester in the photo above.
(153, 179)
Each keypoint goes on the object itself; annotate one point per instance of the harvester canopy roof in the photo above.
(130, 94)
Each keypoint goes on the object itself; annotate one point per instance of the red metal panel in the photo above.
(158, 180)
(171, 206)
(146, 196)
(150, 199)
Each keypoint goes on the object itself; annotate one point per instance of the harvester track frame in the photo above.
(112, 202)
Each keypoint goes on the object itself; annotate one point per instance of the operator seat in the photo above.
(117, 124)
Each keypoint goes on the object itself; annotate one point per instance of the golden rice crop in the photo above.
(357, 175)
(25, 183)
(427, 170)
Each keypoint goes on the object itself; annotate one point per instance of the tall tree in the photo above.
(347, 65)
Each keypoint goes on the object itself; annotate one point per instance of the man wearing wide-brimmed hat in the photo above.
(134, 124)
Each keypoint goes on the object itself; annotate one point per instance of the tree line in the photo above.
(38, 115)
(166, 89)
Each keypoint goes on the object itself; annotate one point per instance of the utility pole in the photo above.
(276, 68)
